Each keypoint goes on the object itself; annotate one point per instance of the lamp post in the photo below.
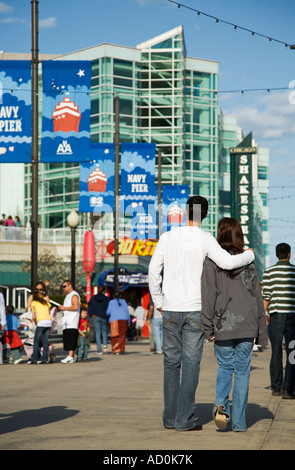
(73, 222)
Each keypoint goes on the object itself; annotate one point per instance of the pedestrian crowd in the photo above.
(110, 317)
(201, 289)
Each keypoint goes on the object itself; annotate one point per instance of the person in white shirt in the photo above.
(175, 272)
(70, 320)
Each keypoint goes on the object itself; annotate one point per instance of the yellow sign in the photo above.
(127, 246)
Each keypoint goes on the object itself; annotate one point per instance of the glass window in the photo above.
(167, 44)
(262, 172)
(123, 68)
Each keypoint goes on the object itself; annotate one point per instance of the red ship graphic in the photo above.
(97, 180)
(175, 214)
(66, 116)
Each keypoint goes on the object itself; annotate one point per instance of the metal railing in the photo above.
(54, 236)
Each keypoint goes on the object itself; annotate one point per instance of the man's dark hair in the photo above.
(197, 206)
(282, 250)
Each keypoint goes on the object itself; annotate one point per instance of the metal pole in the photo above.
(159, 193)
(116, 206)
(34, 157)
(73, 257)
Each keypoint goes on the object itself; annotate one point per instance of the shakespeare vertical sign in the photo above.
(242, 190)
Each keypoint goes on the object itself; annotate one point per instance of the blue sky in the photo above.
(245, 62)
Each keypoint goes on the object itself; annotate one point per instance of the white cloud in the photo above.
(48, 23)
(4, 8)
(12, 19)
(270, 117)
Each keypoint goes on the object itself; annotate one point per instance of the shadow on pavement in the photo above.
(33, 418)
(254, 413)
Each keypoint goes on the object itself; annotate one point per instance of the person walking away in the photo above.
(279, 303)
(233, 317)
(140, 316)
(97, 309)
(41, 317)
(2, 324)
(119, 319)
(11, 337)
(70, 321)
(83, 338)
(180, 254)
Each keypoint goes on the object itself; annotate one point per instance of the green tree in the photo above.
(56, 270)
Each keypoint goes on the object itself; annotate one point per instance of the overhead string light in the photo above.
(235, 26)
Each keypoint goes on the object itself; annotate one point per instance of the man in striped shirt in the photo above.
(279, 304)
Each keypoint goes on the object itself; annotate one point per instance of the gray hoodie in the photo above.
(232, 304)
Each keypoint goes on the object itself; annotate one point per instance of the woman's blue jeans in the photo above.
(233, 357)
(101, 331)
(183, 341)
(42, 333)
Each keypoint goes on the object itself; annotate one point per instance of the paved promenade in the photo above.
(113, 403)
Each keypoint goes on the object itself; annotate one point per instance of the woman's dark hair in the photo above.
(38, 295)
(230, 235)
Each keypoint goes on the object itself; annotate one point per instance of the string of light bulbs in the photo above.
(234, 25)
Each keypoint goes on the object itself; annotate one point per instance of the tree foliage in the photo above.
(56, 270)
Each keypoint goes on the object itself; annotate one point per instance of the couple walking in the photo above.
(203, 287)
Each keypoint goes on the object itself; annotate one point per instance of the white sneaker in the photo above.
(68, 359)
(17, 361)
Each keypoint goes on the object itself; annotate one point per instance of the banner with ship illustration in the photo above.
(15, 111)
(97, 180)
(174, 199)
(66, 111)
(138, 188)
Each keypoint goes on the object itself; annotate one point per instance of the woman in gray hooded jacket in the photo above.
(233, 316)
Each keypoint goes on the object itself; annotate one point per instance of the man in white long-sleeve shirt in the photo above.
(175, 274)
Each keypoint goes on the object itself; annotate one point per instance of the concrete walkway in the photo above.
(115, 403)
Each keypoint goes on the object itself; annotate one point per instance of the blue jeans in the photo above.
(82, 352)
(101, 330)
(183, 341)
(157, 324)
(42, 333)
(234, 357)
(281, 325)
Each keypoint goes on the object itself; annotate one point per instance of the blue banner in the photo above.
(144, 222)
(15, 111)
(138, 189)
(174, 199)
(97, 180)
(66, 111)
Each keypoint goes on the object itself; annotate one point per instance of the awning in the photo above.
(125, 279)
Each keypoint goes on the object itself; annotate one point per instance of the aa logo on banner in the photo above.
(15, 111)
(66, 111)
